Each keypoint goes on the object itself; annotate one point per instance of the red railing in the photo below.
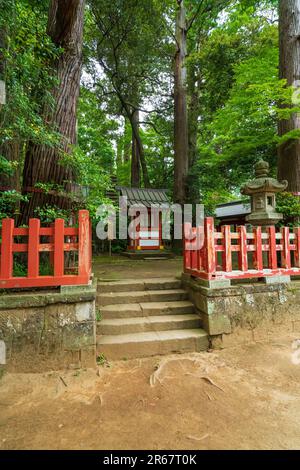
(241, 254)
(57, 240)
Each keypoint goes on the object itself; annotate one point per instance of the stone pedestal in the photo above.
(246, 312)
(47, 331)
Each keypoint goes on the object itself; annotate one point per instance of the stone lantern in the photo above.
(262, 191)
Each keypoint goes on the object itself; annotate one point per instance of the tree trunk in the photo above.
(127, 140)
(193, 114)
(289, 34)
(180, 109)
(135, 155)
(142, 159)
(119, 160)
(42, 163)
(138, 153)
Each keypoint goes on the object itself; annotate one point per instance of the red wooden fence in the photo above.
(61, 239)
(241, 255)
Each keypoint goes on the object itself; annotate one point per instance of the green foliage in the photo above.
(98, 315)
(19, 269)
(102, 361)
(20, 265)
(289, 206)
(158, 144)
(28, 75)
(25, 60)
(132, 49)
(6, 167)
(93, 158)
(49, 213)
(239, 102)
(130, 42)
(119, 246)
(9, 201)
(96, 131)
(129, 48)
(246, 125)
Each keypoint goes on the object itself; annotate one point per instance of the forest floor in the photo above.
(241, 398)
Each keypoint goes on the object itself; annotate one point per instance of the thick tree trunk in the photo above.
(138, 153)
(135, 155)
(3, 44)
(119, 160)
(142, 159)
(180, 109)
(42, 163)
(289, 32)
(127, 140)
(193, 115)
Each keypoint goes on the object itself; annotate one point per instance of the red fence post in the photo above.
(226, 254)
(58, 247)
(272, 256)
(7, 236)
(200, 241)
(84, 240)
(186, 253)
(243, 253)
(90, 245)
(258, 253)
(209, 232)
(285, 254)
(51, 240)
(33, 247)
(297, 244)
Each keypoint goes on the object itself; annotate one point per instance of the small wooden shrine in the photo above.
(149, 232)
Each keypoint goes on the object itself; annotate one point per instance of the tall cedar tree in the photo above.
(42, 163)
(289, 38)
(180, 107)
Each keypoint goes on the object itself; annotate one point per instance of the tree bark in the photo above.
(141, 152)
(138, 153)
(193, 95)
(135, 155)
(289, 43)
(42, 163)
(180, 108)
(127, 141)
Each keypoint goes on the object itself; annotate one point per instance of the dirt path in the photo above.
(242, 398)
(118, 267)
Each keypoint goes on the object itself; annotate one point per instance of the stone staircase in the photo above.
(149, 317)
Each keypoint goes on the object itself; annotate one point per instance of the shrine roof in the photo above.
(234, 208)
(145, 196)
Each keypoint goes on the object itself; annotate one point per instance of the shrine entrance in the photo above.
(147, 237)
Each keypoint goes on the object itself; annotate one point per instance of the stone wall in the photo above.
(49, 330)
(245, 312)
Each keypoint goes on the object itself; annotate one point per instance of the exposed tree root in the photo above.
(157, 376)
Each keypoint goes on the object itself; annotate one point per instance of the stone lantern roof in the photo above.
(263, 200)
(262, 182)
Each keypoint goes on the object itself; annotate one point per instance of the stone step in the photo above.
(130, 285)
(141, 296)
(148, 254)
(118, 326)
(130, 346)
(147, 308)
